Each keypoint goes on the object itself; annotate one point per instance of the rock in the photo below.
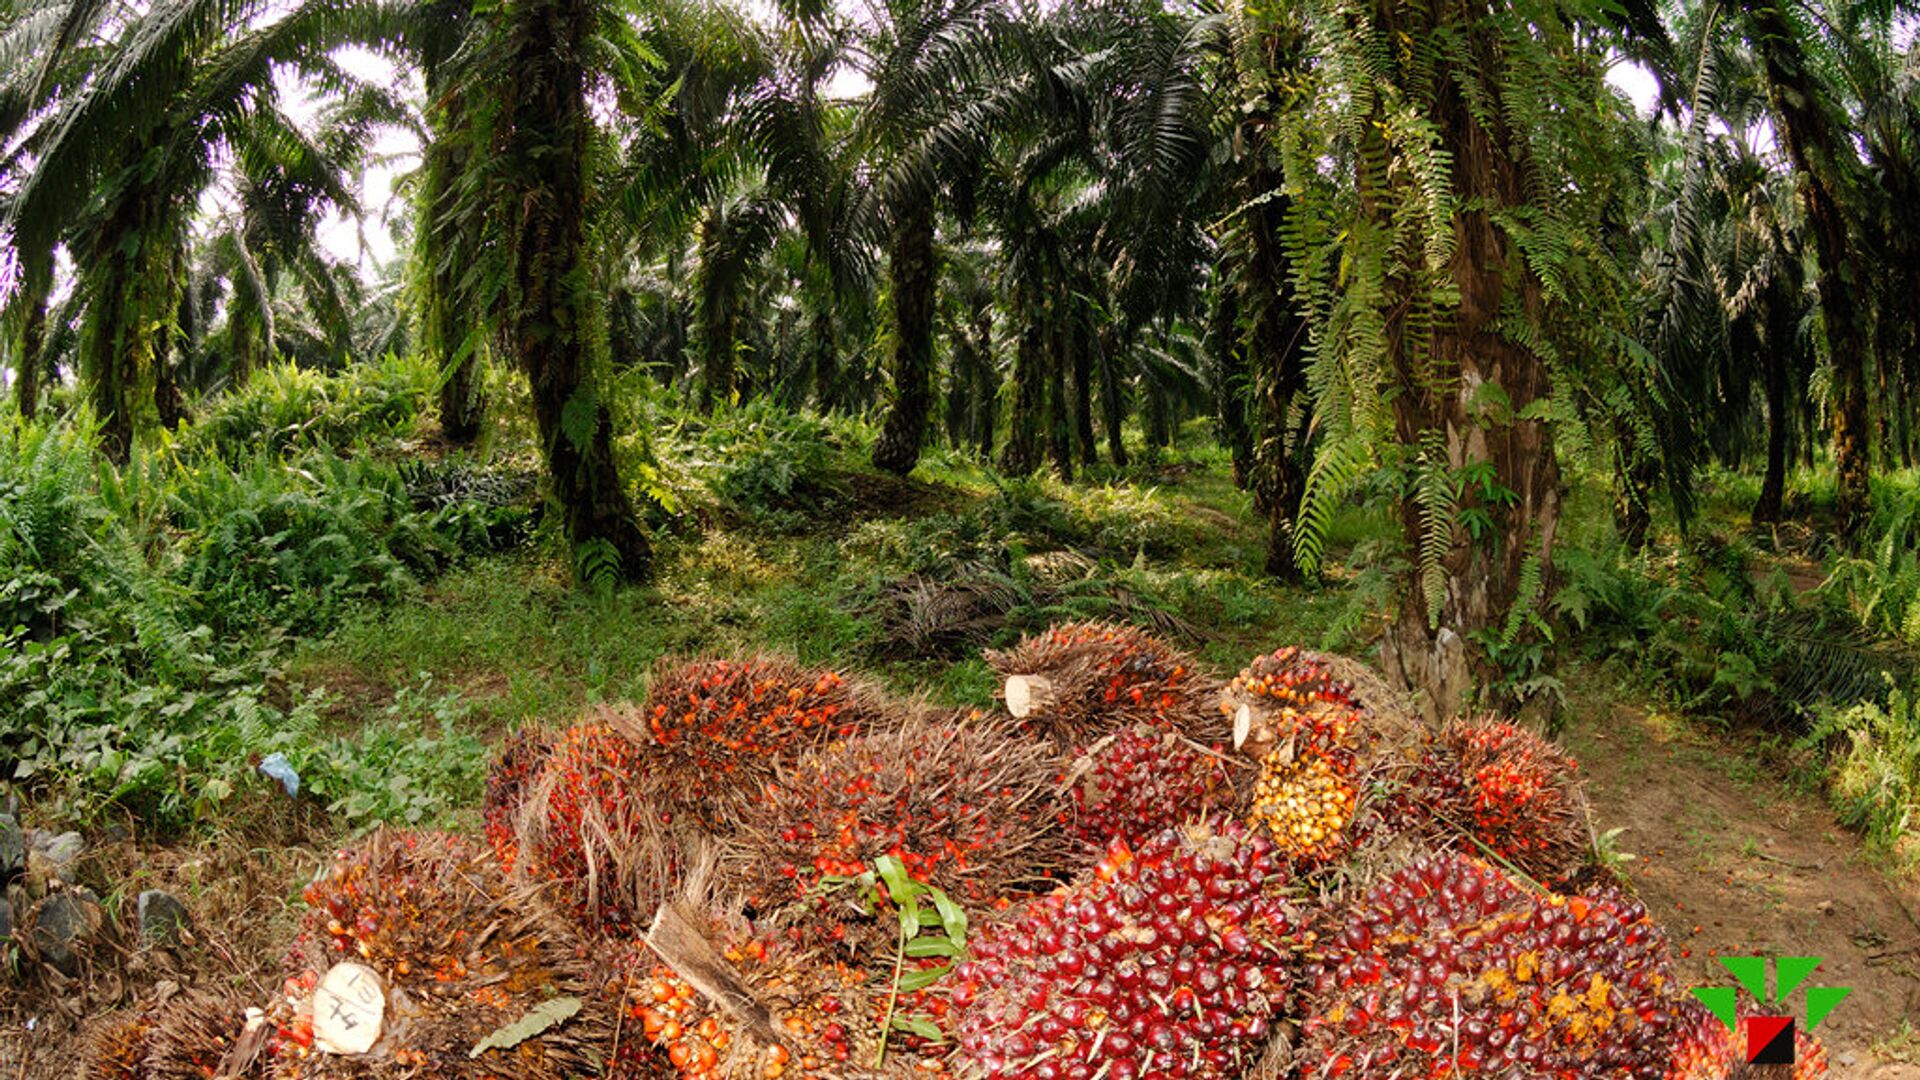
(63, 852)
(162, 917)
(1847, 1060)
(13, 848)
(67, 921)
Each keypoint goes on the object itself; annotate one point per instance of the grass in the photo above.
(518, 642)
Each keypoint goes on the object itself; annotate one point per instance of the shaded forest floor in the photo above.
(905, 582)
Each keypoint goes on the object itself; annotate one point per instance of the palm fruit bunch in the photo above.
(1290, 698)
(1170, 960)
(1449, 967)
(189, 1037)
(1509, 789)
(1135, 783)
(826, 1017)
(714, 729)
(459, 954)
(1307, 804)
(1077, 681)
(594, 821)
(1706, 1050)
(967, 805)
(514, 767)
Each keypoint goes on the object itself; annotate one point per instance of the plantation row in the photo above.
(767, 871)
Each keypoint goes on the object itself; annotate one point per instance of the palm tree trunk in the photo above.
(915, 276)
(716, 319)
(1081, 347)
(1824, 158)
(1113, 404)
(986, 386)
(1435, 648)
(1766, 509)
(826, 359)
(1021, 455)
(546, 325)
(1229, 379)
(26, 376)
(448, 335)
(960, 383)
(1059, 423)
(1277, 356)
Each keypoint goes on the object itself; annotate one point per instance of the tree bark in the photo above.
(986, 387)
(1021, 455)
(26, 376)
(547, 325)
(716, 320)
(1767, 508)
(1439, 651)
(1059, 422)
(1825, 164)
(448, 338)
(1229, 379)
(1113, 405)
(915, 277)
(1080, 349)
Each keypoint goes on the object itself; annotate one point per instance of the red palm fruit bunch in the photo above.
(1170, 960)
(825, 1019)
(1131, 785)
(714, 729)
(1290, 700)
(1706, 1050)
(968, 806)
(189, 1037)
(1450, 968)
(593, 820)
(459, 952)
(1307, 802)
(515, 765)
(1508, 788)
(1078, 681)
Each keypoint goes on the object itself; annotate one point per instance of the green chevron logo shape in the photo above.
(1750, 972)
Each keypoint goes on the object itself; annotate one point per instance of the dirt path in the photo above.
(1736, 863)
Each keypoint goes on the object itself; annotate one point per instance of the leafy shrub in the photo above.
(1873, 776)
(776, 467)
(284, 407)
(142, 615)
(290, 546)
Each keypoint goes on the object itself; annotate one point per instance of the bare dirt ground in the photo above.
(1735, 863)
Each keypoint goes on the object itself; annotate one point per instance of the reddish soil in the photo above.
(1735, 863)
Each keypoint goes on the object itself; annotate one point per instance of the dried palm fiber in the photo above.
(1079, 681)
(1511, 794)
(190, 1036)
(460, 952)
(707, 995)
(1451, 967)
(1132, 784)
(967, 803)
(514, 767)
(603, 823)
(714, 729)
(118, 1049)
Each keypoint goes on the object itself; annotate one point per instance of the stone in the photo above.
(13, 848)
(161, 916)
(63, 852)
(67, 921)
